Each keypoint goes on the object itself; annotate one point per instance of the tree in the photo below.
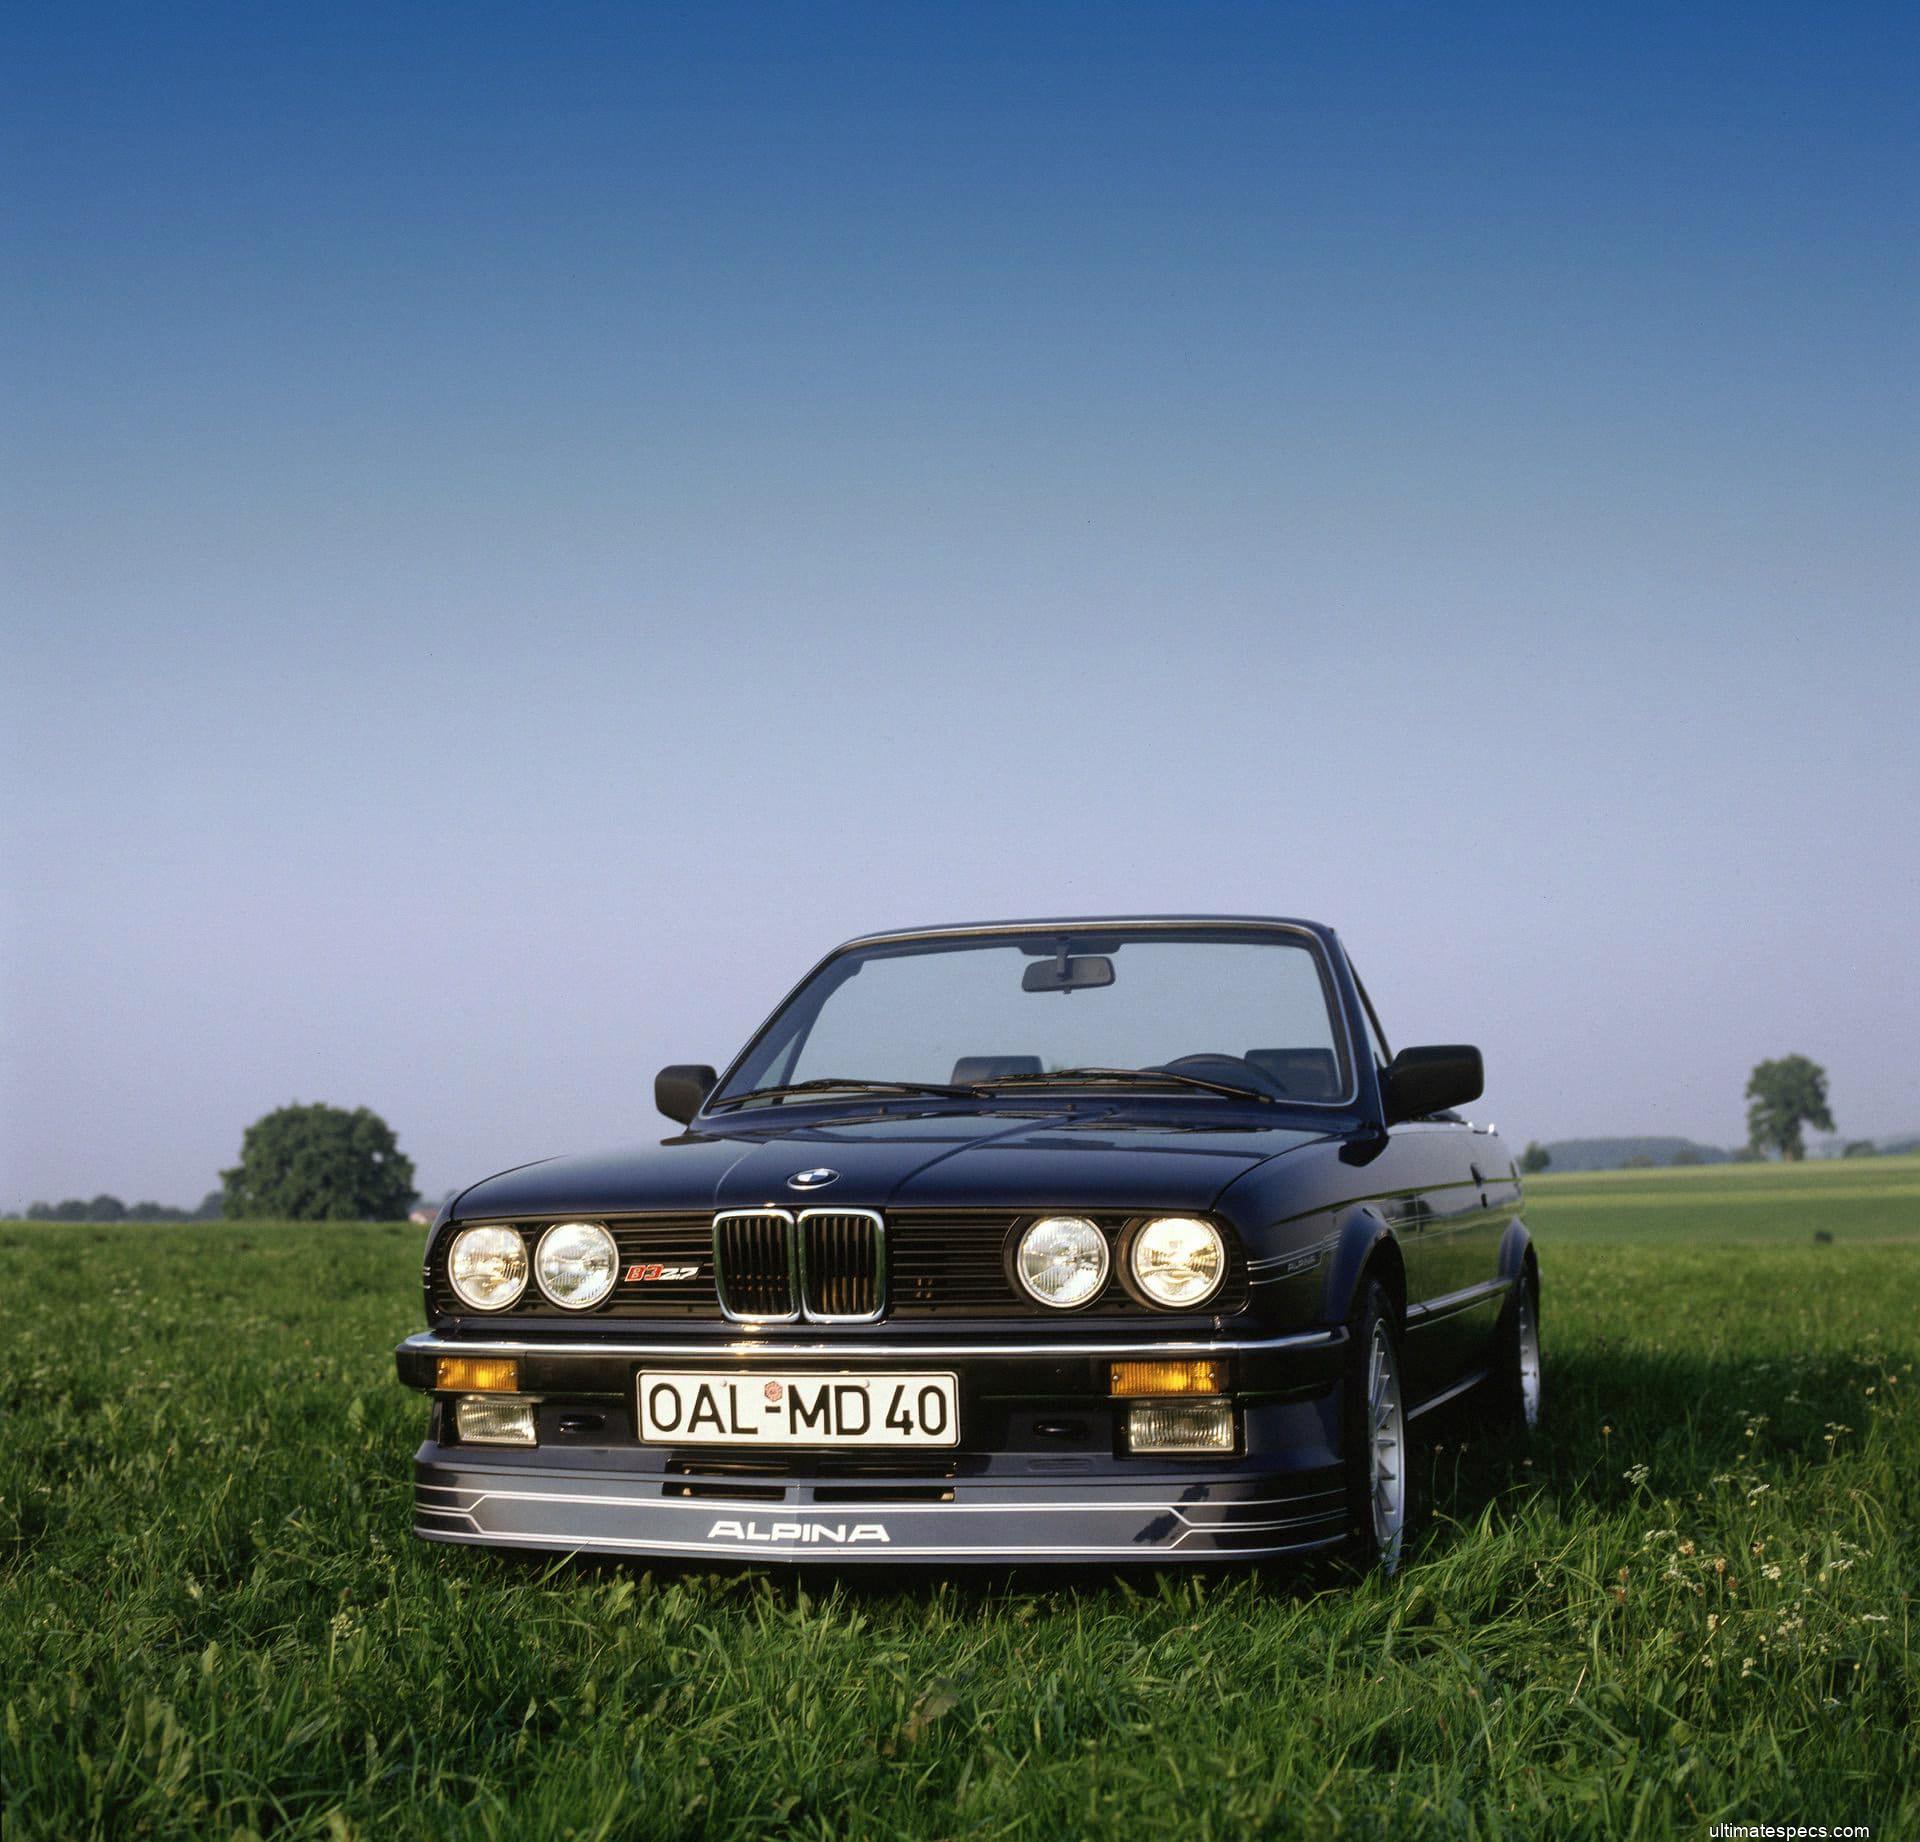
(1535, 1158)
(1688, 1154)
(319, 1164)
(212, 1207)
(1783, 1096)
(105, 1208)
(1861, 1148)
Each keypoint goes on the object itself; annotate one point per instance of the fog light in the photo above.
(477, 1375)
(481, 1420)
(1204, 1377)
(1180, 1426)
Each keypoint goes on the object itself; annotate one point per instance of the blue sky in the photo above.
(523, 526)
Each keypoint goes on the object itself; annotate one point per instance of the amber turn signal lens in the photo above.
(1208, 1376)
(477, 1374)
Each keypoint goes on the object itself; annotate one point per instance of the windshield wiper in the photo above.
(855, 1084)
(821, 1084)
(1157, 1077)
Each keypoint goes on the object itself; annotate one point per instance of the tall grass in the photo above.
(1690, 1602)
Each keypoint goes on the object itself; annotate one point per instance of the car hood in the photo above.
(1087, 1158)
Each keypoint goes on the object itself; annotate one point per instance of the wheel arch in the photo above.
(1366, 1248)
(1517, 1256)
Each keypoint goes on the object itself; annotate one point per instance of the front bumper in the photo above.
(1017, 1492)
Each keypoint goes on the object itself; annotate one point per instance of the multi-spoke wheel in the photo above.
(1517, 1365)
(1379, 1471)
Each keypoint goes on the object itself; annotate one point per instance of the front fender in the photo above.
(1364, 1240)
(1516, 1248)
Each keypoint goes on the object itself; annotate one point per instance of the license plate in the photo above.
(701, 1408)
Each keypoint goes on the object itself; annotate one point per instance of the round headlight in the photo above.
(1062, 1261)
(1179, 1261)
(576, 1264)
(487, 1267)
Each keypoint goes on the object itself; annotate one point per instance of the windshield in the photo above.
(1250, 1009)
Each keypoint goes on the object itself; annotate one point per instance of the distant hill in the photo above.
(1888, 1144)
(1614, 1153)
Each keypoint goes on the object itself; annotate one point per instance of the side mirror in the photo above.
(679, 1090)
(1423, 1081)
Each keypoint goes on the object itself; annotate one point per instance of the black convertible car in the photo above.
(1026, 1241)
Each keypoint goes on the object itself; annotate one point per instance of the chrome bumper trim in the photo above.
(432, 1342)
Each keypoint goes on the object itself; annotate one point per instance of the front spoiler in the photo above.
(1157, 1520)
(999, 1505)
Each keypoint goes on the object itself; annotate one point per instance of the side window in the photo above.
(1375, 1041)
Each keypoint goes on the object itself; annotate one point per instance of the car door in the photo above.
(1430, 1156)
(1460, 1240)
(1478, 1283)
(1444, 1227)
(1412, 1167)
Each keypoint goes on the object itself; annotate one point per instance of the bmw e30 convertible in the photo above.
(1036, 1241)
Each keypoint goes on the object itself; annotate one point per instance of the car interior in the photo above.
(971, 1068)
(1300, 1074)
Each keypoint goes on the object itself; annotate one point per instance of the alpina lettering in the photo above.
(841, 1533)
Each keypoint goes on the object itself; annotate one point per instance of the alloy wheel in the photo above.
(1527, 1337)
(1386, 1448)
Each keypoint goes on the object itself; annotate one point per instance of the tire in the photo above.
(1380, 1475)
(1517, 1374)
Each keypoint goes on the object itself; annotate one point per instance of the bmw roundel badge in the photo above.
(816, 1179)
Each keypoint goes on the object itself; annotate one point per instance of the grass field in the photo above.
(1853, 1199)
(1693, 1602)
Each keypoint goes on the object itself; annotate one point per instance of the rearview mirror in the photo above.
(1086, 972)
(1429, 1080)
(679, 1090)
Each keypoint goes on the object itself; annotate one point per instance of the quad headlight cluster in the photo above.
(1063, 1261)
(1177, 1261)
(574, 1265)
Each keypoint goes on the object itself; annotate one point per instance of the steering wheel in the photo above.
(1210, 1067)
